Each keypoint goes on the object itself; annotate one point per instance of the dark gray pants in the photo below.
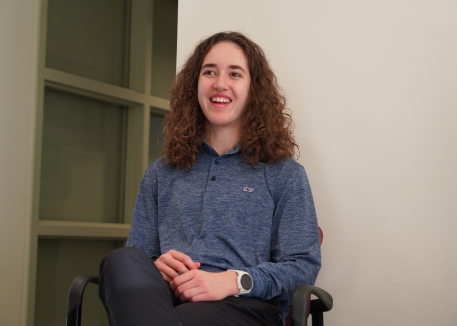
(135, 294)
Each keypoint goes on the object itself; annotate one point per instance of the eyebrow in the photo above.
(212, 65)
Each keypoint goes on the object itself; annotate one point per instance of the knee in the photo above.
(124, 261)
(127, 269)
(125, 255)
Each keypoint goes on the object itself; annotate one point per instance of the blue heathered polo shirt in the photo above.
(226, 214)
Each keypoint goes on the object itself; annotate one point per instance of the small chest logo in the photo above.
(248, 189)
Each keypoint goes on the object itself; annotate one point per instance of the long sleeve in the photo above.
(144, 231)
(295, 241)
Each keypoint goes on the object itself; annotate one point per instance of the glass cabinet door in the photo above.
(106, 70)
(89, 38)
(165, 30)
(83, 156)
(60, 261)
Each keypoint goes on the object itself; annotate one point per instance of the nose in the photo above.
(220, 83)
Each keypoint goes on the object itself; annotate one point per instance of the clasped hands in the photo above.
(191, 284)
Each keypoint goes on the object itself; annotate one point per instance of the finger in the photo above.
(199, 297)
(177, 266)
(165, 277)
(179, 290)
(191, 284)
(183, 278)
(189, 294)
(171, 261)
(178, 261)
(184, 259)
(185, 282)
(168, 261)
(165, 269)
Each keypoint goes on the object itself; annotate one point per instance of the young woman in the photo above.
(226, 215)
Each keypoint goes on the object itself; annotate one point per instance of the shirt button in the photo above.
(216, 162)
(213, 177)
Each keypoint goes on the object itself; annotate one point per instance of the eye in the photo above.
(235, 74)
(208, 72)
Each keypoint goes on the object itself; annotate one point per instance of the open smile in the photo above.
(220, 99)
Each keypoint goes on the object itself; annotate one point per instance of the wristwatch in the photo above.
(244, 282)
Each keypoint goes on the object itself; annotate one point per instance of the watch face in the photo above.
(246, 282)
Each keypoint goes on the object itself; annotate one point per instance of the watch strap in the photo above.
(243, 281)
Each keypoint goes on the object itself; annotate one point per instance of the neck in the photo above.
(222, 139)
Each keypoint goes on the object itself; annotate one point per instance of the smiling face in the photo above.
(223, 86)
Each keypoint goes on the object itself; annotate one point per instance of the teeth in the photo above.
(220, 100)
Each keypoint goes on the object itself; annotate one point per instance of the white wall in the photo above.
(373, 89)
(18, 52)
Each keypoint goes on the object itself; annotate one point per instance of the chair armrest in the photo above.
(300, 301)
(75, 298)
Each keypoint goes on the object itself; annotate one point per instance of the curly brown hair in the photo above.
(266, 132)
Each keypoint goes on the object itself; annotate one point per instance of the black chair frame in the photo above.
(299, 311)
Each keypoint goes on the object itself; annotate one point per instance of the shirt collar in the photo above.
(211, 150)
